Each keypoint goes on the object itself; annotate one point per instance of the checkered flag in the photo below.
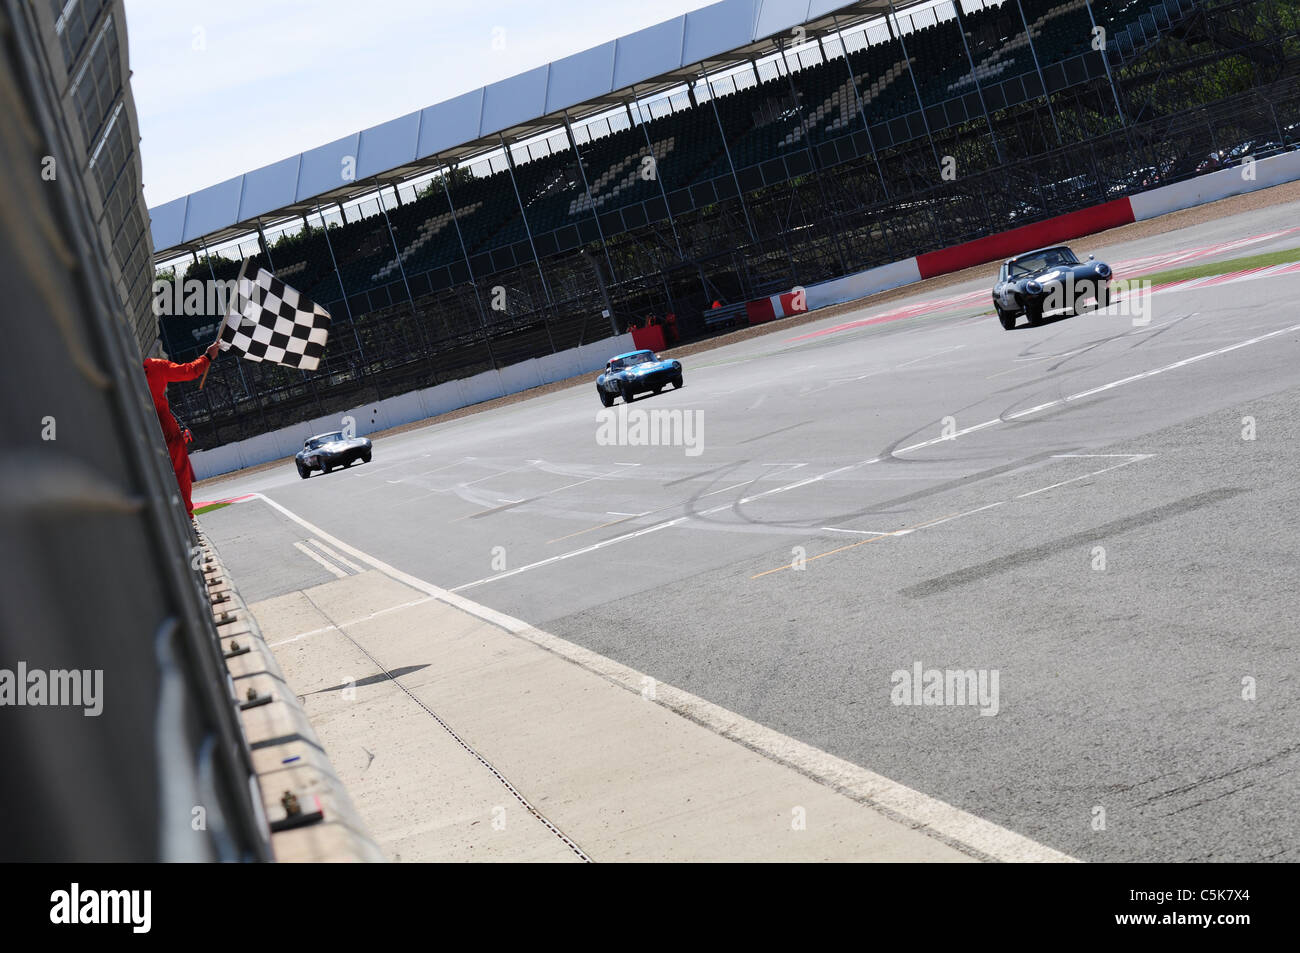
(269, 321)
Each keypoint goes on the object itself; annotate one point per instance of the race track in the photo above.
(1076, 507)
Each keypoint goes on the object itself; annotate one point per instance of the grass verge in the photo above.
(1284, 257)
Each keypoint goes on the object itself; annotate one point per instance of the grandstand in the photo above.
(744, 148)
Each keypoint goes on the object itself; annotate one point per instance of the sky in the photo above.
(222, 88)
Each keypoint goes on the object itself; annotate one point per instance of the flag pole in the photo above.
(203, 380)
(221, 325)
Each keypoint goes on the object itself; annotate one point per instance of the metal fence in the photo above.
(132, 750)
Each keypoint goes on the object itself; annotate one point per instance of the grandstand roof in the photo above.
(659, 57)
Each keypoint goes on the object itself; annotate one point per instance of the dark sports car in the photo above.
(330, 450)
(1050, 279)
(636, 372)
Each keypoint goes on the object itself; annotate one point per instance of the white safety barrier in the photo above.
(412, 406)
(1237, 180)
(869, 282)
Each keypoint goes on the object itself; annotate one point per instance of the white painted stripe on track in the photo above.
(341, 573)
(937, 818)
(335, 556)
(594, 547)
(341, 626)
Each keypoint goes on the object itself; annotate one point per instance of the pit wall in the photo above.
(410, 407)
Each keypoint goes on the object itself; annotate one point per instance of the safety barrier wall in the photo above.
(1061, 228)
(1216, 185)
(1203, 189)
(869, 282)
(97, 572)
(776, 306)
(410, 407)
(288, 757)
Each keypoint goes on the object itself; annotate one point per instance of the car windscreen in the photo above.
(322, 440)
(632, 360)
(1043, 261)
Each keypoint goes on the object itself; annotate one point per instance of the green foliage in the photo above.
(454, 177)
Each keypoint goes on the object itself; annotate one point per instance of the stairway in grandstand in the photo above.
(1144, 30)
(1057, 33)
(628, 171)
(429, 229)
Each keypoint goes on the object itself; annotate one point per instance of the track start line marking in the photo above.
(951, 825)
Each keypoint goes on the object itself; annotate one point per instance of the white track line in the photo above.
(1133, 458)
(342, 574)
(937, 818)
(351, 622)
(734, 486)
(493, 476)
(862, 463)
(939, 353)
(335, 556)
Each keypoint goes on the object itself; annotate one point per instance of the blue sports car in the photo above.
(636, 372)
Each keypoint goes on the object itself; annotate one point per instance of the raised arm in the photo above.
(170, 371)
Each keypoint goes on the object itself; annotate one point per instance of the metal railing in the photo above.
(97, 574)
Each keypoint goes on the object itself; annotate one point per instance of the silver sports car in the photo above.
(326, 451)
(1049, 279)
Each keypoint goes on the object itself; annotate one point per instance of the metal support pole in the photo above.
(1277, 126)
(591, 199)
(862, 110)
(979, 89)
(207, 256)
(1105, 58)
(604, 293)
(1041, 79)
(898, 35)
(812, 161)
(546, 290)
(266, 246)
(393, 238)
(342, 288)
(415, 314)
(473, 281)
(722, 133)
(677, 240)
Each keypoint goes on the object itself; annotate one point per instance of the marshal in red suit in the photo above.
(159, 374)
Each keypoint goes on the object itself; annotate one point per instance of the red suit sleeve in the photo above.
(169, 372)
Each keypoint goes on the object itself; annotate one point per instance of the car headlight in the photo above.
(1033, 287)
(1103, 269)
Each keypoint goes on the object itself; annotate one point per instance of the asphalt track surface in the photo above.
(1074, 506)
